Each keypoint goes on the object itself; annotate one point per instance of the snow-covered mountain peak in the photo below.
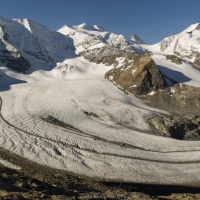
(185, 44)
(85, 27)
(192, 28)
(87, 37)
(136, 39)
(66, 26)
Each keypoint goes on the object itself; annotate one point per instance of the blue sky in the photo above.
(152, 20)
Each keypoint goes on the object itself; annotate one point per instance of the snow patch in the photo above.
(9, 165)
(152, 93)
(133, 71)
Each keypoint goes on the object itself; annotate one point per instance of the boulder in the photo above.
(139, 75)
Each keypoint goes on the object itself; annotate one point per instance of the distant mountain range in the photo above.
(138, 68)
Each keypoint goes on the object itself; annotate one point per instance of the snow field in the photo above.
(110, 145)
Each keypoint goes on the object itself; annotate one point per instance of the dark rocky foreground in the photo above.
(39, 182)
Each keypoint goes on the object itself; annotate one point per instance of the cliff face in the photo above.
(9, 54)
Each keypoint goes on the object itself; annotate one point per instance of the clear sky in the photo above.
(152, 20)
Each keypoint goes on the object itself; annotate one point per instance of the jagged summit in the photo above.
(88, 27)
(85, 26)
(189, 30)
(136, 39)
(87, 37)
(66, 26)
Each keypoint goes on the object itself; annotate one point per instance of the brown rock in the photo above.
(140, 77)
(174, 59)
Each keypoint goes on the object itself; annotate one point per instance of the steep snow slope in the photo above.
(36, 43)
(78, 68)
(184, 43)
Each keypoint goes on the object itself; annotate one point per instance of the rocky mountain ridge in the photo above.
(135, 39)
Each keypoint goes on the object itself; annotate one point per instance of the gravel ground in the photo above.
(34, 181)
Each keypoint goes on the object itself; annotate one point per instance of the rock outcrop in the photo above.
(187, 127)
(139, 77)
(197, 61)
(137, 74)
(106, 55)
(174, 59)
(18, 64)
(175, 98)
